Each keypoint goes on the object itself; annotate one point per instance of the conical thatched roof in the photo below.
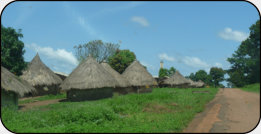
(10, 82)
(122, 82)
(89, 75)
(176, 79)
(137, 75)
(200, 83)
(37, 73)
(192, 83)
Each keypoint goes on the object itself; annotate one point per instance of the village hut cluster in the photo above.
(177, 80)
(88, 81)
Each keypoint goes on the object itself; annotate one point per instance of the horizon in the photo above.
(189, 36)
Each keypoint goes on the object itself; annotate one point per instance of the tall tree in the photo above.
(99, 50)
(217, 75)
(12, 50)
(245, 61)
(163, 72)
(121, 60)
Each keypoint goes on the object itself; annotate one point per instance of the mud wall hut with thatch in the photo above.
(176, 80)
(139, 78)
(123, 86)
(41, 77)
(89, 81)
(13, 87)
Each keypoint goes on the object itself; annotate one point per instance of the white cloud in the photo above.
(88, 28)
(218, 65)
(149, 66)
(60, 55)
(164, 56)
(83, 22)
(116, 9)
(229, 34)
(194, 62)
(140, 20)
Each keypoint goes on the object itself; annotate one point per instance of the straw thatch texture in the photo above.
(10, 82)
(88, 75)
(63, 76)
(137, 75)
(192, 83)
(122, 82)
(38, 74)
(200, 83)
(176, 80)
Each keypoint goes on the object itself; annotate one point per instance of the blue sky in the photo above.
(187, 35)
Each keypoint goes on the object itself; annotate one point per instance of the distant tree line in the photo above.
(215, 76)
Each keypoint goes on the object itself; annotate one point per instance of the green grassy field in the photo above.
(163, 110)
(252, 88)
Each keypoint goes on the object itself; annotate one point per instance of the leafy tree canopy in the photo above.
(166, 72)
(245, 61)
(121, 60)
(217, 75)
(12, 50)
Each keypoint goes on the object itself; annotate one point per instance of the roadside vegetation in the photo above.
(163, 110)
(252, 88)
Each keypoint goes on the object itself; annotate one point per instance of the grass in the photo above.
(163, 110)
(42, 98)
(252, 88)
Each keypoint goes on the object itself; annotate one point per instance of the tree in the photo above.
(166, 72)
(246, 59)
(192, 76)
(217, 75)
(171, 71)
(12, 50)
(163, 72)
(121, 60)
(99, 50)
(201, 75)
(237, 79)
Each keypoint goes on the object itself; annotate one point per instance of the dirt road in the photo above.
(38, 103)
(232, 110)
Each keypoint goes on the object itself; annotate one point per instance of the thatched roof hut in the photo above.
(37, 73)
(12, 86)
(200, 83)
(61, 75)
(192, 83)
(41, 77)
(176, 80)
(10, 82)
(122, 82)
(138, 76)
(89, 81)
